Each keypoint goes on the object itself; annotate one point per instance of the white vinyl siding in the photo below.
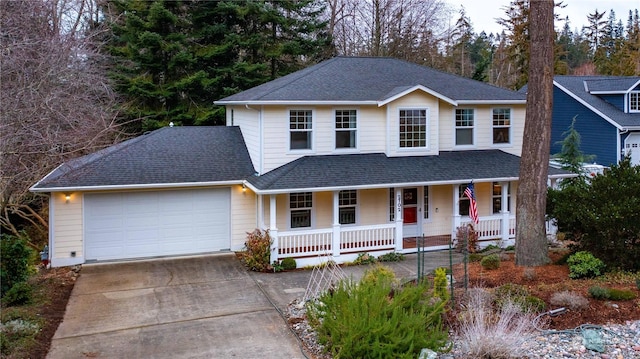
(243, 215)
(248, 119)
(66, 226)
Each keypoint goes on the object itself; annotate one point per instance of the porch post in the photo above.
(504, 210)
(335, 238)
(398, 218)
(273, 229)
(260, 214)
(456, 209)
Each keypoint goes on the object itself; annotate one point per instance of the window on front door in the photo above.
(501, 125)
(347, 201)
(464, 126)
(392, 204)
(413, 128)
(300, 129)
(300, 205)
(497, 197)
(346, 125)
(425, 203)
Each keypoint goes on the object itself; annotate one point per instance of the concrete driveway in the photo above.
(196, 307)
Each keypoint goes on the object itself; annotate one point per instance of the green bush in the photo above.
(492, 261)
(15, 259)
(20, 293)
(621, 294)
(376, 318)
(584, 265)
(602, 216)
(257, 252)
(365, 258)
(510, 290)
(598, 292)
(440, 287)
(533, 304)
(475, 257)
(289, 263)
(391, 257)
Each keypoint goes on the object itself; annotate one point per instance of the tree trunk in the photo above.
(531, 239)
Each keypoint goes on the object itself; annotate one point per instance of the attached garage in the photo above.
(128, 225)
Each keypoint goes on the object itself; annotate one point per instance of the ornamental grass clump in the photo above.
(378, 318)
(488, 331)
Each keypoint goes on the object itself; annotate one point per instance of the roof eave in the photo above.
(414, 88)
(295, 103)
(492, 102)
(135, 186)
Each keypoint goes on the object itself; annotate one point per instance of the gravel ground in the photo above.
(621, 341)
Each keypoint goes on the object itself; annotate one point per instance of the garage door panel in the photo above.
(147, 224)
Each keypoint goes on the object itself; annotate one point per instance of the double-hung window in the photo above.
(634, 101)
(300, 129)
(347, 202)
(346, 127)
(300, 205)
(464, 126)
(413, 128)
(501, 125)
(497, 197)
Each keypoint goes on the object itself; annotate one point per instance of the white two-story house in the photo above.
(352, 155)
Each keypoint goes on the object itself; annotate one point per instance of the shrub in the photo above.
(15, 258)
(510, 290)
(391, 257)
(375, 318)
(492, 261)
(621, 294)
(20, 293)
(584, 265)
(598, 292)
(567, 299)
(289, 263)
(485, 333)
(475, 257)
(596, 215)
(257, 252)
(469, 233)
(440, 287)
(532, 303)
(364, 258)
(638, 283)
(490, 247)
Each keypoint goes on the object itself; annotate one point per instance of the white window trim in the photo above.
(313, 131)
(505, 144)
(428, 205)
(427, 129)
(473, 129)
(357, 129)
(313, 213)
(637, 93)
(357, 209)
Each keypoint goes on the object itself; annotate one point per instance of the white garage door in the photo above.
(159, 223)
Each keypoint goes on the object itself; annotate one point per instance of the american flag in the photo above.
(473, 207)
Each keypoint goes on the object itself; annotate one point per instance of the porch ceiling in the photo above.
(377, 170)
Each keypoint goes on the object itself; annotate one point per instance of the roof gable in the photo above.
(368, 80)
(168, 156)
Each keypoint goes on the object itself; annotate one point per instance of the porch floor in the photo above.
(429, 241)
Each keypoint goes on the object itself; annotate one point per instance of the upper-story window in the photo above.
(634, 102)
(300, 129)
(501, 125)
(497, 197)
(413, 128)
(464, 126)
(300, 205)
(346, 125)
(347, 202)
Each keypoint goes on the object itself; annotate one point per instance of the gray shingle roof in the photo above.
(363, 79)
(165, 156)
(577, 85)
(334, 171)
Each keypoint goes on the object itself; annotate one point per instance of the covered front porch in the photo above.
(381, 220)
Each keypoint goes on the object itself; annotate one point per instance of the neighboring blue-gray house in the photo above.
(607, 111)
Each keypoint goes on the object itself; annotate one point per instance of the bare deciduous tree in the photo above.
(55, 101)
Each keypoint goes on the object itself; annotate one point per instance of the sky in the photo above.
(484, 12)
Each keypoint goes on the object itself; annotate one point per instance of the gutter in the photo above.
(135, 186)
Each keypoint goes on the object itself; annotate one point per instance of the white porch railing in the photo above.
(305, 243)
(369, 238)
(491, 227)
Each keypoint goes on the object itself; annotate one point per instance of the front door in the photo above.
(411, 212)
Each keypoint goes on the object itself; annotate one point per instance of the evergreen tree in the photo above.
(570, 155)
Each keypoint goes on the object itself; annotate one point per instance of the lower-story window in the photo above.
(300, 205)
(347, 201)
